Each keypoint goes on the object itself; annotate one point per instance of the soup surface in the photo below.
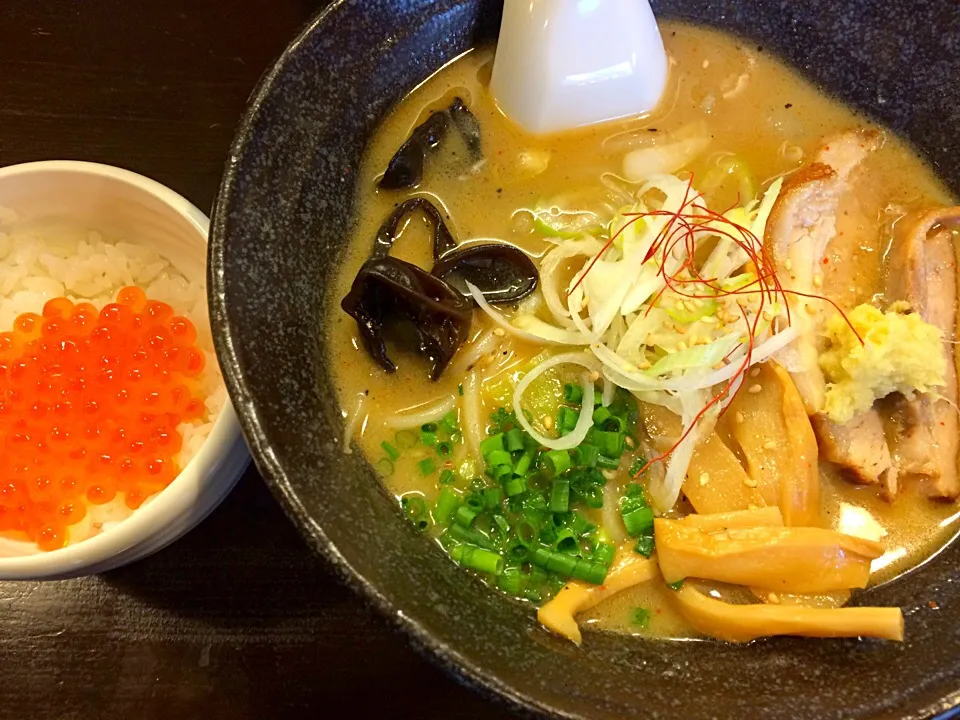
(755, 111)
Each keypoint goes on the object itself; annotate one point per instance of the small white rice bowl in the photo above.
(90, 254)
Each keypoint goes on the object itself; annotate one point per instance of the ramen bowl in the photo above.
(282, 220)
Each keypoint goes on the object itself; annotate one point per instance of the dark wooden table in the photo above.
(237, 619)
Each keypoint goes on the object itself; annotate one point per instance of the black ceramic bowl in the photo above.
(280, 225)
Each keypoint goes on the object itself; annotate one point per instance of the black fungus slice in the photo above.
(443, 241)
(467, 125)
(416, 308)
(503, 273)
(405, 169)
(406, 166)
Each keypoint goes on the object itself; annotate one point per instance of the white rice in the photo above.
(86, 267)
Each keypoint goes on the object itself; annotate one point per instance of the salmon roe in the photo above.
(90, 403)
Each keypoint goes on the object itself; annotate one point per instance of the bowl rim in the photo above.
(455, 664)
(458, 666)
(178, 498)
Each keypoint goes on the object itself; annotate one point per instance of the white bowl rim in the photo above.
(177, 499)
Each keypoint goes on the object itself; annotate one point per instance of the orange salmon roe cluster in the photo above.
(89, 408)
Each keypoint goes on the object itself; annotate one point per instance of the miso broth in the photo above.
(753, 109)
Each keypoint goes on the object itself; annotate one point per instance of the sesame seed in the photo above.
(739, 417)
(750, 483)
(645, 365)
(770, 445)
(773, 598)
(754, 372)
(499, 332)
(704, 478)
(594, 376)
(547, 422)
(629, 442)
(811, 310)
(767, 315)
(788, 264)
(817, 280)
(709, 319)
(754, 389)
(680, 329)
(681, 345)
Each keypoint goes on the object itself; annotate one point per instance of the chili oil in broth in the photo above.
(752, 105)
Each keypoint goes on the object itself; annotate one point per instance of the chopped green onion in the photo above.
(615, 423)
(636, 466)
(589, 455)
(554, 561)
(572, 393)
(638, 521)
(518, 551)
(502, 523)
(479, 559)
(527, 532)
(566, 542)
(641, 617)
(514, 486)
(449, 421)
(502, 473)
(548, 536)
(446, 505)
(406, 439)
(525, 461)
(468, 535)
(491, 444)
(465, 515)
(445, 448)
(429, 427)
(675, 586)
(460, 389)
(555, 462)
(428, 438)
(514, 440)
(560, 495)
(456, 436)
(607, 463)
(580, 525)
(645, 545)
(511, 580)
(415, 508)
(385, 467)
(446, 476)
(475, 499)
(601, 415)
(590, 572)
(427, 466)
(499, 457)
(492, 497)
(390, 450)
(604, 553)
(566, 419)
(609, 443)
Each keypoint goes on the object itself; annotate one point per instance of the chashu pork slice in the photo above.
(801, 225)
(859, 447)
(923, 431)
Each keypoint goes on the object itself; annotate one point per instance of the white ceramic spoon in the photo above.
(563, 64)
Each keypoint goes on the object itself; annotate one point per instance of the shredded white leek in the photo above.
(584, 422)
(659, 321)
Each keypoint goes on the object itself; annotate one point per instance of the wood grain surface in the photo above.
(237, 619)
